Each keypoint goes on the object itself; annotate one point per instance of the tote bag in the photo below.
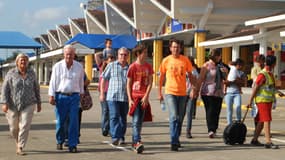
(86, 100)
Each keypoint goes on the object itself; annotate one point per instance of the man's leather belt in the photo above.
(67, 94)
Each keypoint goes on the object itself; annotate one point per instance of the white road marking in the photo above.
(278, 140)
(118, 147)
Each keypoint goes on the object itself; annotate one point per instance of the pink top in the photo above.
(209, 85)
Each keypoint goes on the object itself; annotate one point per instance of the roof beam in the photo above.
(162, 8)
(263, 21)
(206, 15)
(45, 41)
(62, 36)
(122, 14)
(226, 41)
(74, 28)
(95, 20)
(53, 41)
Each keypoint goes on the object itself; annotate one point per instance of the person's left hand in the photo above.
(39, 108)
(5, 108)
(281, 94)
(144, 101)
(193, 94)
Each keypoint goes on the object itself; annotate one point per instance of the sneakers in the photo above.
(256, 143)
(271, 146)
(20, 151)
(73, 150)
(59, 147)
(138, 147)
(174, 147)
(188, 135)
(66, 143)
(122, 143)
(115, 142)
(212, 134)
(105, 133)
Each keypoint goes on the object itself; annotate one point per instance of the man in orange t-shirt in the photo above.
(174, 68)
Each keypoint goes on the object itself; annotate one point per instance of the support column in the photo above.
(226, 55)
(41, 78)
(263, 43)
(46, 76)
(200, 36)
(276, 47)
(89, 66)
(235, 52)
(157, 58)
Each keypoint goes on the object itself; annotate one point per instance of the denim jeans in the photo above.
(67, 107)
(190, 107)
(138, 118)
(118, 112)
(233, 99)
(176, 106)
(105, 122)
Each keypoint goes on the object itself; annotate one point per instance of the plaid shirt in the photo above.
(117, 77)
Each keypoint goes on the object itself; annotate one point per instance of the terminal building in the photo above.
(242, 29)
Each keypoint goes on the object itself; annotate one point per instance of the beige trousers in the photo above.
(20, 124)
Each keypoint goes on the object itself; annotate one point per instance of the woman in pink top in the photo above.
(212, 74)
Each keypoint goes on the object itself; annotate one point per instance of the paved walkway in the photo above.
(41, 144)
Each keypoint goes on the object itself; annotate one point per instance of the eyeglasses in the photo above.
(123, 54)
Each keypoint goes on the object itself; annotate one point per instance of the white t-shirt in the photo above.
(233, 74)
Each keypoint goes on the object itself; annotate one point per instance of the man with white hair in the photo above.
(66, 85)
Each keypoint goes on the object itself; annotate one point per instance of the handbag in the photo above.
(86, 100)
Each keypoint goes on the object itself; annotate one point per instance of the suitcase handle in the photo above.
(245, 114)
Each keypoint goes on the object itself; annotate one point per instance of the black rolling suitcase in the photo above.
(235, 132)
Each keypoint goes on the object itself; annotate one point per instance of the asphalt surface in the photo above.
(155, 136)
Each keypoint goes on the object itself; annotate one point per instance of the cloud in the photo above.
(1, 6)
(48, 14)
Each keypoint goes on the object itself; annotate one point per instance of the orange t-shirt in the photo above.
(175, 70)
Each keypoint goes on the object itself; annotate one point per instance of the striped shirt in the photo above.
(117, 77)
(19, 92)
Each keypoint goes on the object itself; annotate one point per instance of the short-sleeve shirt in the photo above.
(261, 79)
(108, 51)
(140, 77)
(254, 72)
(232, 76)
(175, 70)
(117, 77)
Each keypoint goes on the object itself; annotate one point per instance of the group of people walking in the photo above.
(124, 89)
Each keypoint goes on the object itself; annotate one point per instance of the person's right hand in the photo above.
(160, 97)
(249, 106)
(5, 108)
(102, 97)
(52, 100)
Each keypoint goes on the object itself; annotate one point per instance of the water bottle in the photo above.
(274, 104)
(162, 105)
(254, 110)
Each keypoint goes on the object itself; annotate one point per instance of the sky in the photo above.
(35, 17)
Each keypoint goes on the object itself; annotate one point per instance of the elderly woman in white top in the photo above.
(20, 97)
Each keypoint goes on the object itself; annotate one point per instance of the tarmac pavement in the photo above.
(155, 136)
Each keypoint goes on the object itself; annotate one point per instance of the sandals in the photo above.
(20, 152)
